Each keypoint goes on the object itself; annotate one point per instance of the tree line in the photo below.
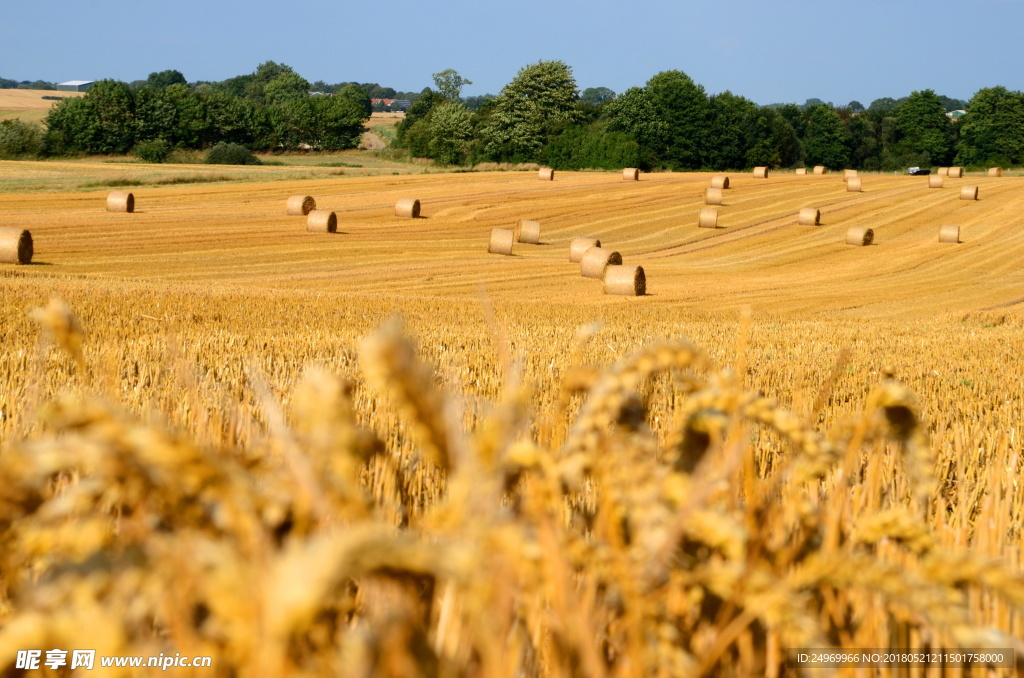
(672, 123)
(540, 116)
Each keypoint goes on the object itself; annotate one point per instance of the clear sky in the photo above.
(768, 51)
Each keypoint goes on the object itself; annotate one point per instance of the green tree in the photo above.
(449, 84)
(255, 84)
(114, 108)
(731, 131)
(541, 99)
(992, 132)
(825, 138)
(358, 96)
(596, 96)
(165, 79)
(70, 126)
(862, 143)
(18, 138)
(924, 128)
(451, 129)
(286, 87)
(322, 123)
(633, 112)
(683, 107)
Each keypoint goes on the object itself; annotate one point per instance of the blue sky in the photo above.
(786, 50)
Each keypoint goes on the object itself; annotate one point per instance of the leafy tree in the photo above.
(286, 87)
(417, 142)
(924, 128)
(683, 107)
(474, 103)
(322, 123)
(862, 143)
(992, 132)
(812, 102)
(542, 97)
(449, 84)
(856, 106)
(775, 142)
(265, 73)
(634, 112)
(952, 104)
(165, 79)
(824, 140)
(597, 95)
(883, 105)
(451, 130)
(378, 92)
(358, 96)
(114, 108)
(730, 132)
(70, 126)
(593, 146)
(18, 138)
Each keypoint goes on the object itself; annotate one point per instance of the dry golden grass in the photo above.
(221, 442)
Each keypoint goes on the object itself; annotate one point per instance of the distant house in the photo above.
(957, 114)
(75, 85)
(392, 104)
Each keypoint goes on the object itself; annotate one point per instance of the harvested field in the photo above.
(522, 473)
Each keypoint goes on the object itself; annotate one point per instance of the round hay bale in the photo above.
(860, 236)
(935, 181)
(820, 169)
(301, 205)
(595, 260)
(322, 221)
(579, 246)
(760, 172)
(949, 233)
(120, 201)
(408, 208)
(800, 171)
(15, 246)
(528, 231)
(720, 181)
(942, 172)
(631, 174)
(712, 196)
(501, 241)
(853, 185)
(708, 217)
(995, 171)
(628, 281)
(969, 193)
(810, 216)
(956, 172)
(546, 174)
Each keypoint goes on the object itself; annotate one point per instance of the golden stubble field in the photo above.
(790, 442)
(29, 104)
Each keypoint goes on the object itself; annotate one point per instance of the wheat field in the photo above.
(384, 452)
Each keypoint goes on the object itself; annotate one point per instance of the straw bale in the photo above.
(820, 169)
(956, 172)
(712, 196)
(853, 185)
(708, 217)
(859, 235)
(629, 281)
(760, 172)
(595, 260)
(15, 246)
(720, 181)
(800, 171)
(969, 193)
(631, 174)
(935, 181)
(810, 216)
(322, 221)
(546, 174)
(120, 201)
(942, 172)
(579, 246)
(408, 208)
(301, 205)
(995, 171)
(528, 231)
(949, 233)
(501, 241)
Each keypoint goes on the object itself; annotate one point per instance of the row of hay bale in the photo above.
(966, 192)
(861, 235)
(595, 261)
(325, 221)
